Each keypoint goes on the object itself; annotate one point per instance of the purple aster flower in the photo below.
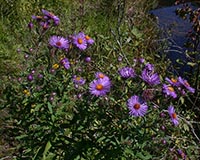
(50, 15)
(30, 25)
(65, 62)
(186, 84)
(150, 77)
(149, 67)
(79, 41)
(37, 18)
(89, 39)
(173, 115)
(45, 25)
(183, 92)
(137, 107)
(78, 80)
(173, 81)
(127, 72)
(99, 87)
(59, 42)
(169, 90)
(100, 75)
(141, 60)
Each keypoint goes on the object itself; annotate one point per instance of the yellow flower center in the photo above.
(171, 89)
(58, 43)
(38, 17)
(173, 80)
(99, 87)
(26, 92)
(55, 66)
(101, 75)
(78, 78)
(80, 41)
(174, 115)
(136, 106)
(87, 37)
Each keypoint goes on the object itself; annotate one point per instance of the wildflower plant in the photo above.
(66, 105)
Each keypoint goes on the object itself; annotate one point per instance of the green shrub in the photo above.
(73, 99)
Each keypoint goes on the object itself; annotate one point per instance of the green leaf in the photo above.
(50, 156)
(47, 147)
(21, 136)
(36, 155)
(129, 151)
(191, 64)
(50, 108)
(182, 100)
(101, 139)
(37, 108)
(144, 157)
(136, 32)
(186, 128)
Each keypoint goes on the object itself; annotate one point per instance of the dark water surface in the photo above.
(175, 29)
(165, 3)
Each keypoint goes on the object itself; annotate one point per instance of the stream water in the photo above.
(175, 29)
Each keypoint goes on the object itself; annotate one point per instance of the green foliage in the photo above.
(187, 12)
(53, 118)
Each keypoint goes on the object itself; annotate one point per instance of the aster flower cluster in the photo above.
(101, 85)
(138, 105)
(57, 44)
(175, 86)
(127, 72)
(65, 62)
(78, 81)
(45, 20)
(149, 75)
(80, 41)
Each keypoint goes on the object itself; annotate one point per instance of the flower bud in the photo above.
(162, 115)
(40, 76)
(163, 128)
(30, 77)
(87, 59)
(26, 56)
(120, 59)
(30, 25)
(164, 141)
